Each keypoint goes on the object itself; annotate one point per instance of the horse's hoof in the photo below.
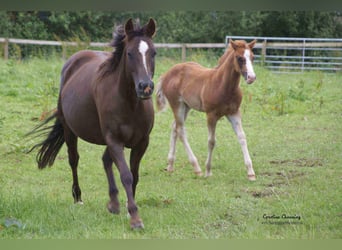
(199, 173)
(251, 177)
(113, 208)
(208, 174)
(79, 202)
(137, 224)
(169, 169)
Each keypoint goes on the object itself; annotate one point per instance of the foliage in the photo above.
(173, 26)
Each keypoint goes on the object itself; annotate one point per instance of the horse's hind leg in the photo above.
(180, 128)
(172, 152)
(71, 142)
(211, 122)
(235, 120)
(113, 205)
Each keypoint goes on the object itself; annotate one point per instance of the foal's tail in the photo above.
(49, 148)
(160, 100)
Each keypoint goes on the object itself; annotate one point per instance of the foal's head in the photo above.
(139, 52)
(243, 59)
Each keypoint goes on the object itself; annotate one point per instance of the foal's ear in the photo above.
(233, 44)
(150, 28)
(252, 44)
(129, 26)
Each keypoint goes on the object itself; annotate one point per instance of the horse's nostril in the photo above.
(141, 85)
(147, 90)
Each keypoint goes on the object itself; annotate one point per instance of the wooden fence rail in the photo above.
(264, 50)
(183, 46)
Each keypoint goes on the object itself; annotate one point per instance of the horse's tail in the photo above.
(49, 148)
(161, 99)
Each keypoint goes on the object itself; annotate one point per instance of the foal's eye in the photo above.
(241, 60)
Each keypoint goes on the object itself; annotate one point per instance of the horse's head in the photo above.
(244, 59)
(140, 53)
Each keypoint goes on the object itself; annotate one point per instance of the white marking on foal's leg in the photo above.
(235, 120)
(143, 47)
(192, 158)
(171, 156)
(181, 117)
(211, 145)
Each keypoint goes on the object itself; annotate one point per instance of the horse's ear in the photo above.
(252, 44)
(150, 28)
(233, 44)
(129, 26)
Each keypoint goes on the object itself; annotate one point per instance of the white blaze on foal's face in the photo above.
(250, 71)
(143, 47)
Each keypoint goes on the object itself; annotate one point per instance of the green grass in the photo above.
(293, 125)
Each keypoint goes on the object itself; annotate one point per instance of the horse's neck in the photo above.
(125, 86)
(226, 75)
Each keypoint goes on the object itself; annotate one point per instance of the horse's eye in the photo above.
(241, 60)
(130, 55)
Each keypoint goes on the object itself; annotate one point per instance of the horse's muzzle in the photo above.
(145, 89)
(249, 78)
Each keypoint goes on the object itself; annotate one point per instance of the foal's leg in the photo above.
(235, 120)
(180, 128)
(71, 142)
(211, 122)
(113, 205)
(116, 151)
(172, 152)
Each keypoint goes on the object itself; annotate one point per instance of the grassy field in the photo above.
(293, 124)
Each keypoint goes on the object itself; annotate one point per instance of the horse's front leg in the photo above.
(235, 120)
(116, 151)
(136, 155)
(113, 205)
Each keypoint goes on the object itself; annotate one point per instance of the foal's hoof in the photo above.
(199, 173)
(169, 169)
(208, 174)
(113, 208)
(251, 177)
(137, 224)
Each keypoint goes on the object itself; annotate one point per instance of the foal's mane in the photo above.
(118, 43)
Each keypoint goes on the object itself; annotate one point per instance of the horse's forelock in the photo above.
(118, 43)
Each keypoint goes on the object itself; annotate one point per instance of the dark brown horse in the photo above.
(105, 99)
(213, 91)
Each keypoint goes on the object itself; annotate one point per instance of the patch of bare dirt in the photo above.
(301, 162)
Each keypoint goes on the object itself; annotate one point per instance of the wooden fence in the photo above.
(182, 46)
(276, 53)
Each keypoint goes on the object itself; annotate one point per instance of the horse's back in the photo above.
(184, 73)
(78, 60)
(185, 81)
(77, 94)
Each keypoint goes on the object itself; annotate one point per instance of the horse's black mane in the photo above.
(118, 43)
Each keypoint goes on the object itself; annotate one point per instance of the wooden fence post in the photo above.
(6, 49)
(263, 52)
(183, 52)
